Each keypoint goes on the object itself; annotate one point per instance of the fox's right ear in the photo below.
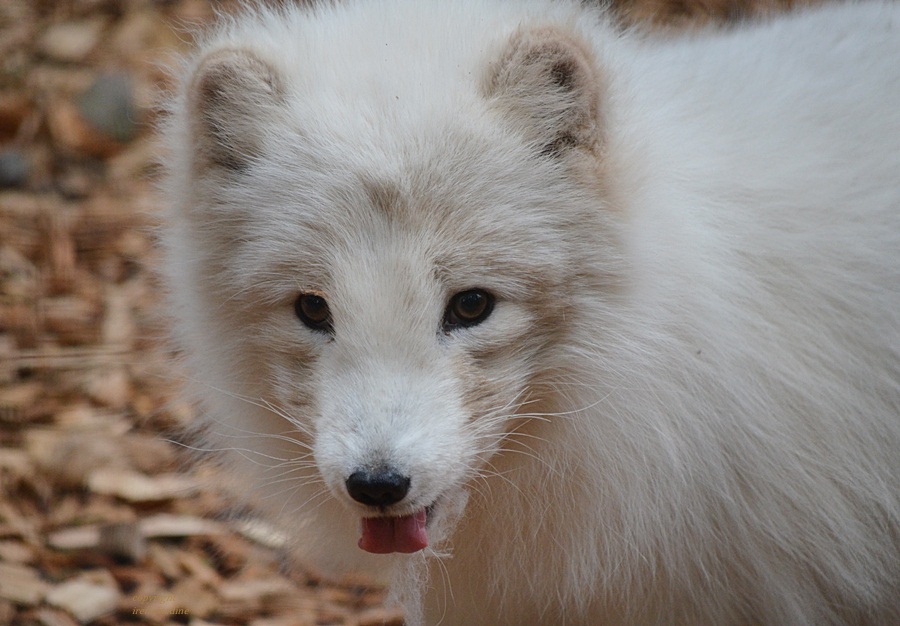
(548, 81)
(231, 97)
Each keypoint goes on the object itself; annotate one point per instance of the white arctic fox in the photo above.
(582, 327)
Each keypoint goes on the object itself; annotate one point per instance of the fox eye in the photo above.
(468, 308)
(312, 310)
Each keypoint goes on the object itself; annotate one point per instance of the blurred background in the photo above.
(101, 519)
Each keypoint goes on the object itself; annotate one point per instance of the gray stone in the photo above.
(14, 169)
(108, 106)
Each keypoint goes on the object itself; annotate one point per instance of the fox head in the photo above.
(377, 252)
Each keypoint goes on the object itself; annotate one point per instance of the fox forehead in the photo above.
(312, 218)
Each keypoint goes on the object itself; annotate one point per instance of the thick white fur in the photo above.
(685, 408)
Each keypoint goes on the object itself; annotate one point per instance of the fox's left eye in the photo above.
(468, 308)
(312, 309)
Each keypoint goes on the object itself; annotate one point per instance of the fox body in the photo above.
(567, 324)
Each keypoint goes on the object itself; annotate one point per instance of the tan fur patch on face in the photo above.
(384, 196)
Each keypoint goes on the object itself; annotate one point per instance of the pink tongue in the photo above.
(383, 535)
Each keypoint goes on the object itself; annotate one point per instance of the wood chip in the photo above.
(17, 525)
(109, 387)
(52, 617)
(149, 454)
(14, 108)
(165, 559)
(193, 597)
(242, 596)
(118, 321)
(136, 487)
(7, 611)
(16, 552)
(21, 584)
(70, 457)
(73, 320)
(287, 620)
(255, 590)
(77, 538)
(198, 567)
(16, 462)
(86, 418)
(339, 596)
(165, 525)
(380, 617)
(15, 398)
(86, 597)
(71, 130)
(71, 41)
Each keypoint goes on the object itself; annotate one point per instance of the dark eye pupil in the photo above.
(313, 311)
(468, 308)
(471, 305)
(314, 308)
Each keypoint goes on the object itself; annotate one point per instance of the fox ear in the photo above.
(231, 97)
(548, 79)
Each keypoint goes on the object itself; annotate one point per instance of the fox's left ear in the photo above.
(549, 82)
(233, 96)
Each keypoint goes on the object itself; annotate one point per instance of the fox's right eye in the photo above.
(312, 309)
(467, 308)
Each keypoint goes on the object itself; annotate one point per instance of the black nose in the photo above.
(377, 488)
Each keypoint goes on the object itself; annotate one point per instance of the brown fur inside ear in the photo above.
(548, 78)
(232, 95)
